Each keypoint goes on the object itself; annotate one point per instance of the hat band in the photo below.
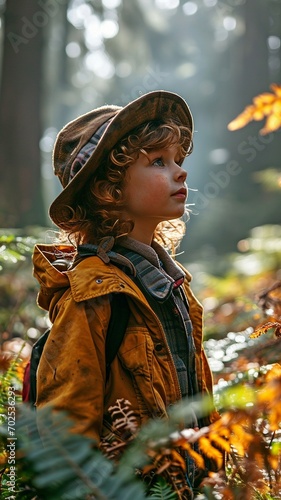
(87, 150)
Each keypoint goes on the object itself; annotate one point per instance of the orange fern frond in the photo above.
(209, 451)
(220, 441)
(261, 330)
(239, 432)
(273, 461)
(275, 418)
(177, 459)
(221, 426)
(240, 439)
(265, 105)
(269, 396)
(274, 374)
(198, 459)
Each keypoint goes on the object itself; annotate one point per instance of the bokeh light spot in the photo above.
(229, 23)
(111, 4)
(219, 156)
(73, 49)
(189, 8)
(167, 4)
(100, 63)
(109, 28)
(274, 42)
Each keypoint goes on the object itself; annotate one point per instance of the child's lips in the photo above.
(181, 193)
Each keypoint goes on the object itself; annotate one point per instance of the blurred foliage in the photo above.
(267, 105)
(113, 51)
(230, 297)
(69, 467)
(20, 318)
(244, 355)
(269, 178)
(249, 431)
(14, 249)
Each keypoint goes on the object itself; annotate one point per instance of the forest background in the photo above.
(61, 58)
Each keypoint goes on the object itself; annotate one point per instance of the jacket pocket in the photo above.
(137, 355)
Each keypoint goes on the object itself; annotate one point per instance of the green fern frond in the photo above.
(162, 491)
(8, 380)
(67, 466)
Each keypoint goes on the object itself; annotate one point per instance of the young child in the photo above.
(124, 194)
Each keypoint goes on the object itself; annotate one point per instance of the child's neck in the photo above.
(141, 236)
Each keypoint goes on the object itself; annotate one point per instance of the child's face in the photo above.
(155, 190)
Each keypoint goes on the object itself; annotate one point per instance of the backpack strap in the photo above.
(116, 329)
(119, 318)
(29, 381)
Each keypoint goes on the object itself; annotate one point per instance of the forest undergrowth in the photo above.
(244, 444)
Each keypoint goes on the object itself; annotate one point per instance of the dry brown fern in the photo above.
(249, 433)
(169, 464)
(262, 329)
(270, 303)
(167, 459)
(121, 430)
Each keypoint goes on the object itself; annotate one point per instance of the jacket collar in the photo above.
(154, 268)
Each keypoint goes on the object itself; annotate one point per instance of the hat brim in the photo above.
(155, 105)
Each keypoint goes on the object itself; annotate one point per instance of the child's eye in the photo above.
(180, 161)
(158, 162)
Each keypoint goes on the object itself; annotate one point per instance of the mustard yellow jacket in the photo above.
(72, 371)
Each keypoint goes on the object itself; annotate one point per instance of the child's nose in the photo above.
(181, 173)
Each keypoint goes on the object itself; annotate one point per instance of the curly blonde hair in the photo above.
(98, 211)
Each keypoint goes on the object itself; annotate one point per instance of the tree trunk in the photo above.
(21, 200)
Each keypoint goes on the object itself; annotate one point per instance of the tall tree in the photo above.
(20, 122)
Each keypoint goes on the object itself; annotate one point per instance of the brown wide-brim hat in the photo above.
(76, 135)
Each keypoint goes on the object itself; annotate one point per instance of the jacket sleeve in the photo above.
(71, 374)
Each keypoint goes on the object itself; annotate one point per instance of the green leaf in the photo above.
(239, 397)
(162, 491)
